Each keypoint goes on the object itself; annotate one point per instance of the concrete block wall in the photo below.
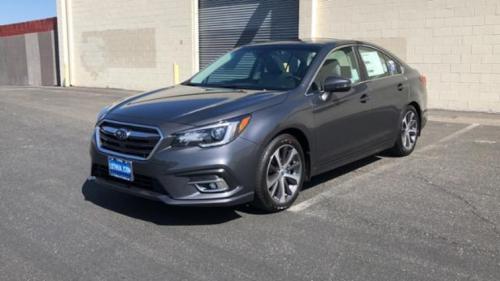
(126, 44)
(455, 43)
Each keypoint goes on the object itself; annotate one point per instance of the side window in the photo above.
(378, 64)
(393, 66)
(340, 63)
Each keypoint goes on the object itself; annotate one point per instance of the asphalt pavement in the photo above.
(434, 215)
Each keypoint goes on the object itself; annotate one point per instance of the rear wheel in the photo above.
(280, 175)
(409, 132)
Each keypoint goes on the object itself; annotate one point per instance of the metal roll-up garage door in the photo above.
(225, 24)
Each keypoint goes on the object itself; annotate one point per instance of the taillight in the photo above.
(423, 81)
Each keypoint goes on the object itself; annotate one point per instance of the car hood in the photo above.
(192, 105)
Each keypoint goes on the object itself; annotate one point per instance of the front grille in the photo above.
(139, 143)
(140, 181)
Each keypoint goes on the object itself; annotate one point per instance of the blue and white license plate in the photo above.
(120, 168)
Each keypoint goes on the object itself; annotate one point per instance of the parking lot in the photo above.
(434, 215)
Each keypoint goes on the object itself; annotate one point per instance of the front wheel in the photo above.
(280, 174)
(409, 132)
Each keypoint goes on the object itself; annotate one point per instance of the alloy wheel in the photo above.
(284, 173)
(409, 130)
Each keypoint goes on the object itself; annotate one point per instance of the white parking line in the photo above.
(449, 137)
(331, 191)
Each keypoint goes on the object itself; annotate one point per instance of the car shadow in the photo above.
(327, 176)
(161, 214)
(153, 211)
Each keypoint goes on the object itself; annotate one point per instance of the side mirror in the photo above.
(336, 84)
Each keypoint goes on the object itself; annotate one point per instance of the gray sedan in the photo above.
(258, 122)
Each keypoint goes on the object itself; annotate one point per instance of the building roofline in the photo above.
(33, 26)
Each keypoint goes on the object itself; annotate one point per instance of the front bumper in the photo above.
(166, 176)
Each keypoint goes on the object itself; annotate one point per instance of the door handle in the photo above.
(364, 98)
(400, 87)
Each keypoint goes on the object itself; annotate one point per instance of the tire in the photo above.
(279, 182)
(409, 127)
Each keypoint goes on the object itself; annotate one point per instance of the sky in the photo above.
(12, 11)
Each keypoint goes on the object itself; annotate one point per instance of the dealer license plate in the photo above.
(120, 168)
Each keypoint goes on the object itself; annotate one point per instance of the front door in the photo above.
(340, 117)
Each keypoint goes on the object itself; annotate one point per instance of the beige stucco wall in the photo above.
(130, 44)
(456, 43)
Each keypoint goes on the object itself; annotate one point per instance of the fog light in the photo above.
(209, 184)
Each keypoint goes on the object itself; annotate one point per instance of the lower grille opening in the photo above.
(140, 181)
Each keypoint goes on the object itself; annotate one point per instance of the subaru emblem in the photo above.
(122, 134)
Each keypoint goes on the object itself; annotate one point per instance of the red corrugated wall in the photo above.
(28, 27)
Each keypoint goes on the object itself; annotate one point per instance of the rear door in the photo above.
(388, 90)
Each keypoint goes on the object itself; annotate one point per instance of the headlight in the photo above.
(103, 113)
(211, 135)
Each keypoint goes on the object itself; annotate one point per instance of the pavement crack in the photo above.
(474, 210)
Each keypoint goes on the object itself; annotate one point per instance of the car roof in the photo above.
(318, 42)
(325, 43)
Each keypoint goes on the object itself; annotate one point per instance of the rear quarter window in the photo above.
(378, 64)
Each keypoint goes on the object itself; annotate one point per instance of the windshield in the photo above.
(258, 67)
